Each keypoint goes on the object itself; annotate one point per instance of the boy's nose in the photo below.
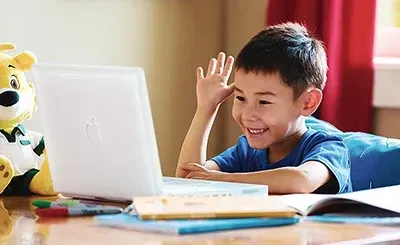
(9, 98)
(249, 114)
(251, 118)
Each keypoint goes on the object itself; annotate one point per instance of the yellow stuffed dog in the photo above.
(23, 162)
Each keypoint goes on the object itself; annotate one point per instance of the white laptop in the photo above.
(100, 137)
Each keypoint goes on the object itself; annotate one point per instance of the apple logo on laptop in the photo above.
(93, 132)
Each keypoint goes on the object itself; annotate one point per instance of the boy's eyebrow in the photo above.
(237, 89)
(11, 66)
(265, 93)
(257, 93)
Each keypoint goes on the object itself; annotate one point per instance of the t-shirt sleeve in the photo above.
(333, 153)
(234, 158)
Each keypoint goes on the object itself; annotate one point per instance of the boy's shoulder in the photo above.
(323, 134)
(316, 137)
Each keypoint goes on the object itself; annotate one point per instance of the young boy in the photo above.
(279, 77)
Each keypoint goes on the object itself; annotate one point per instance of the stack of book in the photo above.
(184, 215)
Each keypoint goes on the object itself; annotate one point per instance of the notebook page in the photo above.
(385, 197)
(302, 202)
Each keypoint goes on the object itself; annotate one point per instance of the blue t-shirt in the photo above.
(320, 146)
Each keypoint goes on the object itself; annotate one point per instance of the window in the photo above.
(387, 32)
(387, 54)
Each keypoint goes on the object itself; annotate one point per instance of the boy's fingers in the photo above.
(220, 63)
(200, 74)
(211, 67)
(199, 167)
(228, 67)
(231, 87)
(203, 177)
(193, 167)
(188, 167)
(195, 175)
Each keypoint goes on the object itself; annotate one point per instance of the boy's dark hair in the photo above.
(289, 50)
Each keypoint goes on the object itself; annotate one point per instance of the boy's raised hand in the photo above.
(212, 89)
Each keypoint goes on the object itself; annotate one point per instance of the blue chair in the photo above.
(375, 160)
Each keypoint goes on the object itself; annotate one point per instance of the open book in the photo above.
(367, 206)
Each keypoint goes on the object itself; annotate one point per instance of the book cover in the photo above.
(189, 226)
(159, 208)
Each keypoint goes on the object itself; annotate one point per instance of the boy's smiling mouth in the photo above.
(256, 131)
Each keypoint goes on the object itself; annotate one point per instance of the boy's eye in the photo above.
(240, 98)
(264, 102)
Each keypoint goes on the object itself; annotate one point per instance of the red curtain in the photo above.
(347, 29)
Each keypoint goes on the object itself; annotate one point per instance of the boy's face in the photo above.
(264, 108)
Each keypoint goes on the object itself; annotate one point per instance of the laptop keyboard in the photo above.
(189, 187)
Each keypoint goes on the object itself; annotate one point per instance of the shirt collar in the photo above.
(12, 137)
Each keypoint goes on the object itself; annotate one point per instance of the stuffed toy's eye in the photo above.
(14, 82)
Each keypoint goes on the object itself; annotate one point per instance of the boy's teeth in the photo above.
(256, 131)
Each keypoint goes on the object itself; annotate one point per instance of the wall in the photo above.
(386, 122)
(243, 20)
(184, 35)
(386, 102)
(386, 117)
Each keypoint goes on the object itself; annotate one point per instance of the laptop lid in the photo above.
(99, 131)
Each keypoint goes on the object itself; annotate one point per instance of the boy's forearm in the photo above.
(194, 147)
(280, 181)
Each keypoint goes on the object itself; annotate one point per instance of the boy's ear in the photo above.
(312, 99)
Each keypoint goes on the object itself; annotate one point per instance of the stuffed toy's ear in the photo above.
(25, 60)
(6, 46)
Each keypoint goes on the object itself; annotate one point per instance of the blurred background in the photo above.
(170, 38)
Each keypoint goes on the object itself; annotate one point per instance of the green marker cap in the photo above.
(41, 203)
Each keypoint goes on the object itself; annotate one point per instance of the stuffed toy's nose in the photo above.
(8, 98)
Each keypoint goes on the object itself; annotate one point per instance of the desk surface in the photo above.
(18, 225)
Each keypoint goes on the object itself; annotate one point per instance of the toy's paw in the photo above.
(6, 173)
(41, 234)
(42, 184)
(6, 225)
